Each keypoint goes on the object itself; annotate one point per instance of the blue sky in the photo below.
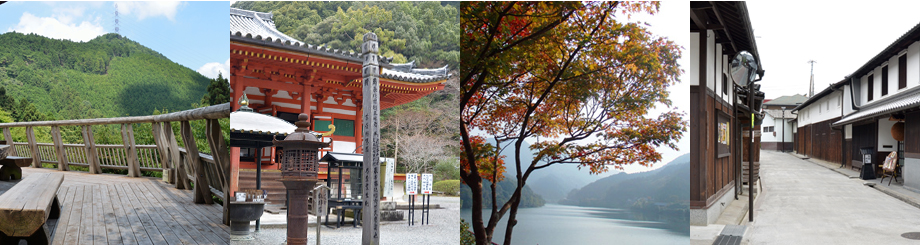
(193, 34)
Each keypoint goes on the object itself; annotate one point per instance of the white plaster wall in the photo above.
(847, 106)
(863, 92)
(717, 70)
(769, 121)
(884, 135)
(848, 131)
(778, 128)
(694, 58)
(710, 59)
(731, 84)
(913, 65)
(828, 109)
(893, 75)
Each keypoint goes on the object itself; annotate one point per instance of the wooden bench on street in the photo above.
(26, 207)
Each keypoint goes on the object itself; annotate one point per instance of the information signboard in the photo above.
(426, 183)
(412, 183)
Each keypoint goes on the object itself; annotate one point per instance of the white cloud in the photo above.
(58, 27)
(143, 10)
(211, 70)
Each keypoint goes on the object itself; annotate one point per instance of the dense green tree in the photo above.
(218, 91)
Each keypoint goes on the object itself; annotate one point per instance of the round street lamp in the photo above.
(299, 164)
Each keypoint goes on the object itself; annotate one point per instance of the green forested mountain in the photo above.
(504, 190)
(108, 76)
(668, 184)
(425, 32)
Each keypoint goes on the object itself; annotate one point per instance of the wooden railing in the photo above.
(207, 173)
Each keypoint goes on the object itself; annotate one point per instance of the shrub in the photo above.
(448, 187)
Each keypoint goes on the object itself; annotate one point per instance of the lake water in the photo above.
(563, 224)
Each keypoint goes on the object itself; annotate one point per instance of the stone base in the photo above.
(391, 215)
(706, 216)
(387, 205)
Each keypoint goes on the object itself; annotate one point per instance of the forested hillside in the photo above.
(108, 76)
(667, 184)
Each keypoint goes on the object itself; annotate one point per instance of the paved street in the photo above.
(804, 203)
(444, 228)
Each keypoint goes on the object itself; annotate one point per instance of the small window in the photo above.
(902, 71)
(884, 80)
(871, 87)
(724, 84)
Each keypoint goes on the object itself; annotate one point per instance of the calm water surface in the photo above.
(563, 224)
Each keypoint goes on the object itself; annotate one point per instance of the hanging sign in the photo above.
(426, 183)
(412, 183)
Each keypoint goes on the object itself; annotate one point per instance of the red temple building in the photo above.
(283, 77)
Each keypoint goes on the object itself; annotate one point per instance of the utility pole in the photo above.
(811, 88)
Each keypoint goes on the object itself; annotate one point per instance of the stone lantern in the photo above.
(299, 164)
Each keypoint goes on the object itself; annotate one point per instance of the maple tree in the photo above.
(570, 74)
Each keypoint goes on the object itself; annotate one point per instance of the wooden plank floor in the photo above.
(114, 209)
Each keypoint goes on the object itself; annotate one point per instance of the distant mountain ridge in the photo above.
(553, 182)
(108, 76)
(668, 184)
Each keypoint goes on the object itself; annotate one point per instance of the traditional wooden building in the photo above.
(284, 77)
(881, 107)
(815, 137)
(718, 31)
(777, 124)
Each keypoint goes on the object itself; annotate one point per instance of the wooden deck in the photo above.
(115, 209)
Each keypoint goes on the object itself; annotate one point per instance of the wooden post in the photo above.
(36, 156)
(222, 160)
(202, 192)
(89, 146)
(370, 132)
(162, 145)
(59, 148)
(9, 141)
(127, 136)
(174, 157)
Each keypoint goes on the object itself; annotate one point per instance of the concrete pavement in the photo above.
(806, 203)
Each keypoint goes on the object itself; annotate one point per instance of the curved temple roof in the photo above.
(259, 28)
(252, 122)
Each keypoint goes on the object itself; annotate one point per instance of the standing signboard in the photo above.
(426, 184)
(412, 184)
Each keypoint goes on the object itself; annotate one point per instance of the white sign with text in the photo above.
(388, 181)
(412, 183)
(426, 183)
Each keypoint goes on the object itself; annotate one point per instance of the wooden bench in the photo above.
(12, 167)
(25, 208)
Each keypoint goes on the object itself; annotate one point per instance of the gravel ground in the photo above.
(444, 228)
